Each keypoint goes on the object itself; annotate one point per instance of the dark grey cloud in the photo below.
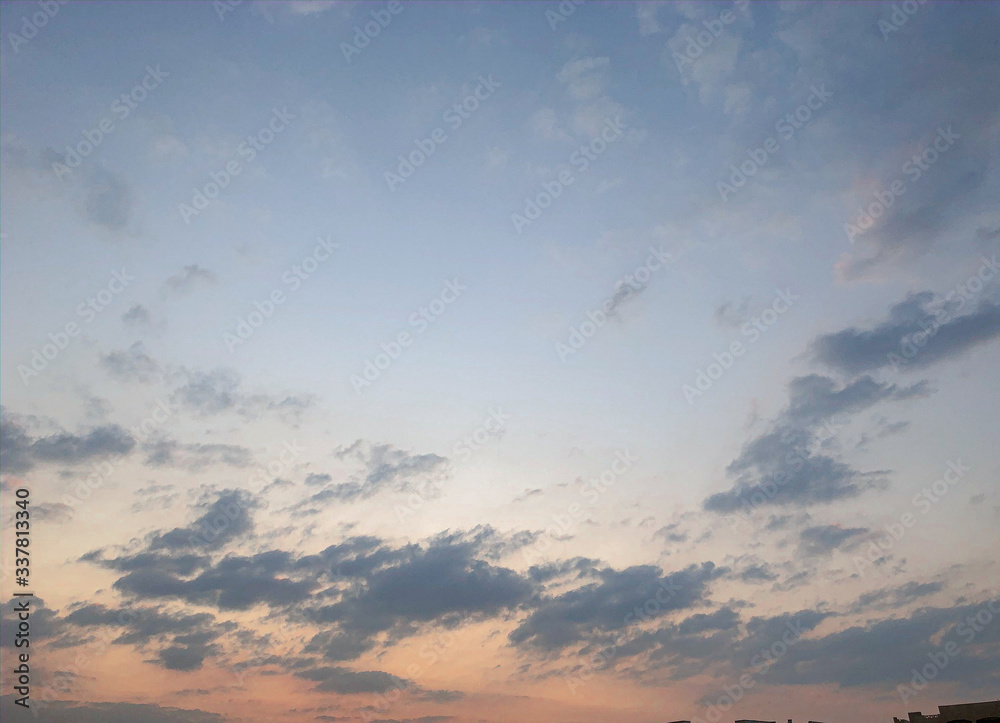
(233, 583)
(892, 598)
(318, 479)
(189, 278)
(138, 624)
(671, 533)
(752, 570)
(78, 712)
(188, 651)
(227, 518)
(194, 457)
(355, 592)
(20, 451)
(45, 622)
(824, 539)
(783, 465)
(340, 646)
(444, 582)
(705, 643)
(221, 390)
(609, 602)
(902, 340)
(137, 317)
(132, 365)
(852, 657)
(184, 640)
(341, 680)
(107, 198)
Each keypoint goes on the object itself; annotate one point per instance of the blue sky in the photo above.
(649, 260)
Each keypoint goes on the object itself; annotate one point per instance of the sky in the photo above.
(487, 362)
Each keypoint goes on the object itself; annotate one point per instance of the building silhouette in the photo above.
(988, 712)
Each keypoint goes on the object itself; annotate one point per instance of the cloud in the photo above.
(783, 466)
(139, 318)
(946, 60)
(386, 468)
(188, 638)
(78, 712)
(608, 602)
(824, 539)
(393, 590)
(917, 333)
(221, 390)
(585, 78)
(892, 598)
(730, 314)
(154, 497)
(107, 198)
(851, 657)
(194, 457)
(132, 365)
(189, 278)
(298, 8)
(445, 580)
(45, 622)
(671, 533)
(20, 452)
(227, 518)
(341, 680)
(545, 124)
(56, 512)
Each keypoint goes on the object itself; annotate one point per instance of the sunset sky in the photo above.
(494, 362)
